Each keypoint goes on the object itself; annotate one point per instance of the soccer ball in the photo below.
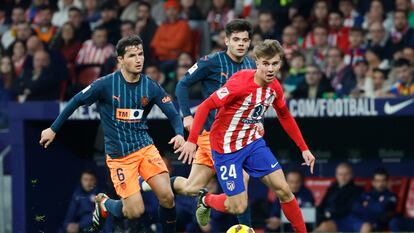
(239, 228)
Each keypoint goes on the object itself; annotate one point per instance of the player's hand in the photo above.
(187, 152)
(187, 122)
(260, 127)
(178, 141)
(309, 159)
(46, 137)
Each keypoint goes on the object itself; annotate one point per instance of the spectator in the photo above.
(381, 89)
(62, 16)
(127, 10)
(97, 50)
(145, 27)
(68, 45)
(301, 26)
(315, 85)
(44, 28)
(190, 10)
(337, 202)
(401, 33)
(296, 75)
(4, 22)
(219, 15)
(38, 83)
(405, 84)
(19, 56)
(110, 22)
(379, 40)
(79, 214)
(406, 5)
(32, 13)
(82, 28)
(23, 31)
(376, 13)
(320, 12)
(267, 26)
(9, 36)
(335, 67)
(171, 38)
(317, 53)
(303, 196)
(7, 74)
(289, 41)
(408, 53)
(355, 82)
(127, 28)
(351, 17)
(357, 47)
(155, 74)
(338, 34)
(92, 14)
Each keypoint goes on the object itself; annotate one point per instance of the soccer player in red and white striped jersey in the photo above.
(237, 144)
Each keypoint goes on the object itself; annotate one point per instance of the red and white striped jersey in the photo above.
(89, 54)
(242, 104)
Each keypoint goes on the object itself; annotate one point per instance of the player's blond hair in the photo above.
(268, 49)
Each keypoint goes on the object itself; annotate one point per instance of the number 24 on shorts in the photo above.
(231, 172)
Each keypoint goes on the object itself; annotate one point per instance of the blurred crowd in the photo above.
(51, 49)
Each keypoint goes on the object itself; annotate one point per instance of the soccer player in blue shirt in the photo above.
(212, 71)
(124, 99)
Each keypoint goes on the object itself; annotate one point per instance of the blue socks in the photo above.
(168, 219)
(114, 207)
(245, 218)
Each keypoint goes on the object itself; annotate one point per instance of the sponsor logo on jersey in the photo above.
(129, 115)
(193, 68)
(222, 92)
(116, 97)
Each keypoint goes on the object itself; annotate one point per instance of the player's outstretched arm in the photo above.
(87, 96)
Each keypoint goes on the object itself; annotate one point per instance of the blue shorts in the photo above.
(256, 159)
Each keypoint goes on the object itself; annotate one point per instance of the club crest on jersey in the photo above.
(230, 185)
(222, 92)
(166, 99)
(144, 101)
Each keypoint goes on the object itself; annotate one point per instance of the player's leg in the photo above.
(124, 173)
(155, 173)
(199, 177)
(276, 181)
(230, 176)
(262, 163)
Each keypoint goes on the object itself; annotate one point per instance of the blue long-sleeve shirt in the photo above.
(212, 71)
(374, 206)
(80, 208)
(123, 108)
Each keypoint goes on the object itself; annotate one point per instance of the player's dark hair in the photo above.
(268, 49)
(381, 172)
(125, 42)
(401, 62)
(238, 25)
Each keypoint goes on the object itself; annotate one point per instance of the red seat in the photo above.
(398, 185)
(409, 204)
(88, 75)
(318, 187)
(364, 183)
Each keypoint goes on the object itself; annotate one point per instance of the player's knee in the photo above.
(284, 193)
(167, 200)
(133, 212)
